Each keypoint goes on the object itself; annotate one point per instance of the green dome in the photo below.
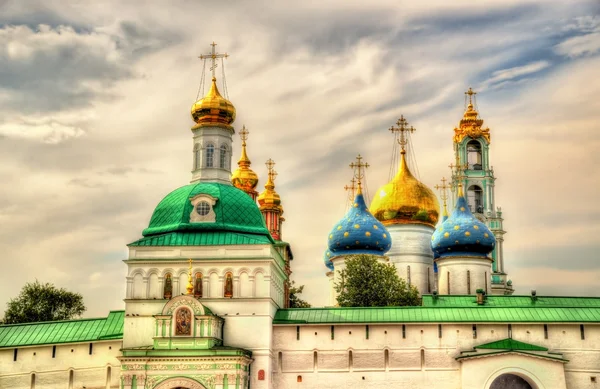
(234, 210)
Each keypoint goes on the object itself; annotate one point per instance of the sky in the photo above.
(95, 123)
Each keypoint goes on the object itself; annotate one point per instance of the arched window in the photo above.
(197, 156)
(510, 381)
(168, 287)
(210, 153)
(475, 198)
(198, 285)
(474, 155)
(222, 156)
(228, 288)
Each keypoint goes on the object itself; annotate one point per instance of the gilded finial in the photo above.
(471, 125)
(470, 93)
(443, 193)
(213, 55)
(351, 188)
(402, 128)
(457, 170)
(190, 286)
(358, 172)
(244, 160)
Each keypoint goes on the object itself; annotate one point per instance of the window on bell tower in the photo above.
(475, 198)
(222, 156)
(210, 153)
(474, 155)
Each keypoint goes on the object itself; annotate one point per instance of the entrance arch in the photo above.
(180, 383)
(510, 381)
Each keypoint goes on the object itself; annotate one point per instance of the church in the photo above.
(208, 285)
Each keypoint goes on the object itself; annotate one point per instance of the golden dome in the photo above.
(269, 199)
(213, 109)
(243, 177)
(405, 200)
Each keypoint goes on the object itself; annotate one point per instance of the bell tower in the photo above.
(474, 172)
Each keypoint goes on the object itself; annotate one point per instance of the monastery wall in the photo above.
(420, 356)
(71, 367)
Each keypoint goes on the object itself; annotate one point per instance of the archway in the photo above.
(510, 381)
(179, 383)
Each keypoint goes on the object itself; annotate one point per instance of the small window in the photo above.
(210, 153)
(203, 208)
(510, 331)
(448, 281)
(403, 331)
(474, 155)
(222, 156)
(15, 354)
(474, 331)
(315, 361)
(332, 333)
(91, 348)
(350, 360)
(32, 380)
(297, 332)
(386, 358)
(367, 331)
(545, 331)
(53, 351)
(582, 330)
(440, 331)
(468, 282)
(197, 156)
(475, 198)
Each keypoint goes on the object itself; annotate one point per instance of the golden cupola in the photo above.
(269, 199)
(213, 109)
(243, 177)
(471, 124)
(405, 200)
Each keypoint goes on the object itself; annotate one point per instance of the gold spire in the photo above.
(457, 170)
(190, 286)
(213, 109)
(351, 188)
(471, 125)
(358, 172)
(405, 200)
(269, 199)
(443, 194)
(243, 177)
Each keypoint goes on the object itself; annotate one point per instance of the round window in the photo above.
(203, 208)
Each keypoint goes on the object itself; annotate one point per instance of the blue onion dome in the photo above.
(327, 260)
(462, 234)
(358, 232)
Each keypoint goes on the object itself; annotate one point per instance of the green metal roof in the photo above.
(68, 331)
(511, 301)
(235, 211)
(477, 314)
(201, 238)
(511, 344)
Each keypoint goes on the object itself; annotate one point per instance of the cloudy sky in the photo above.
(95, 123)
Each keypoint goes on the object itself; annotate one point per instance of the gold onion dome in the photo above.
(213, 108)
(243, 177)
(269, 199)
(405, 200)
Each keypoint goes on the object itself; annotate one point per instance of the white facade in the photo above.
(463, 275)
(212, 154)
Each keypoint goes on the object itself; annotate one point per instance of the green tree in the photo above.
(43, 302)
(366, 282)
(295, 301)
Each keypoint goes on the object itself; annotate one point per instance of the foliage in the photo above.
(43, 302)
(295, 301)
(366, 282)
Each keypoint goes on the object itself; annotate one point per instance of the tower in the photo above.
(243, 177)
(410, 211)
(358, 232)
(472, 149)
(270, 203)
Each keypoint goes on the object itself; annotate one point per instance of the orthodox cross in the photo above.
(272, 173)
(443, 192)
(244, 135)
(352, 187)
(213, 55)
(471, 94)
(402, 128)
(358, 172)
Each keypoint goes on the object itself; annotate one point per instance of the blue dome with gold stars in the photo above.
(327, 260)
(462, 234)
(358, 233)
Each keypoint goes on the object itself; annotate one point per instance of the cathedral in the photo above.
(208, 287)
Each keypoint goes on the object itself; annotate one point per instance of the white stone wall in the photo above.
(411, 249)
(463, 275)
(71, 368)
(423, 359)
(215, 136)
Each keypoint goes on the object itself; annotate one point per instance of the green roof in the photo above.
(511, 301)
(68, 331)
(235, 211)
(476, 314)
(511, 344)
(198, 238)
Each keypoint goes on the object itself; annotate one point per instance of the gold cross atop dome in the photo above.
(271, 172)
(471, 93)
(358, 172)
(402, 127)
(244, 135)
(213, 55)
(352, 187)
(443, 193)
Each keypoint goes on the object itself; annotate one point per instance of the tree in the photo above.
(295, 301)
(366, 282)
(43, 302)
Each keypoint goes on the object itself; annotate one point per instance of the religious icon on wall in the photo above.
(183, 322)
(228, 285)
(198, 285)
(168, 289)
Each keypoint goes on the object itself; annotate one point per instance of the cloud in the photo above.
(500, 77)
(580, 45)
